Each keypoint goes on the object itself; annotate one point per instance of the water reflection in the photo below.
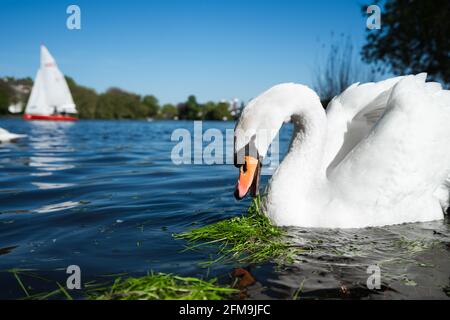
(48, 186)
(50, 141)
(58, 206)
(50, 164)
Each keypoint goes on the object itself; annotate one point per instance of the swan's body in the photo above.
(6, 136)
(380, 155)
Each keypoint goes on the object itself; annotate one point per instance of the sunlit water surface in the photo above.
(105, 195)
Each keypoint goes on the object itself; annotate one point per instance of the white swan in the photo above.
(6, 136)
(380, 155)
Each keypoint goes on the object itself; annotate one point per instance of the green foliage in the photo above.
(189, 110)
(219, 111)
(119, 104)
(162, 286)
(192, 110)
(116, 103)
(413, 38)
(249, 238)
(414, 246)
(85, 99)
(5, 97)
(168, 111)
(152, 106)
(13, 91)
(153, 286)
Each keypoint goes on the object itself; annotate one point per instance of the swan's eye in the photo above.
(244, 167)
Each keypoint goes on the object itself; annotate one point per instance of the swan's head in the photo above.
(257, 126)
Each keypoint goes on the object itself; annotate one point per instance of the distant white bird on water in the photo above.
(6, 136)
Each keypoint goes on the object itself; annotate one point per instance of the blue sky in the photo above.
(173, 48)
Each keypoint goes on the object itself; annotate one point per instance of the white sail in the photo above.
(50, 93)
(37, 103)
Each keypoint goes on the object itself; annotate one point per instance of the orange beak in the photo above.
(248, 177)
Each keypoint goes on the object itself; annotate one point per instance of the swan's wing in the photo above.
(407, 153)
(352, 115)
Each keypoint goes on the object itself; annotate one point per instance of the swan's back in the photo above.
(406, 154)
(352, 115)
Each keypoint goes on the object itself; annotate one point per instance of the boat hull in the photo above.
(49, 118)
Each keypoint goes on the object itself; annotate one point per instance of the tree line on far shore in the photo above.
(117, 103)
(409, 43)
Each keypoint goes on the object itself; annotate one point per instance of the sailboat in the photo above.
(50, 97)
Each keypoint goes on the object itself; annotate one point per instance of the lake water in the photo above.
(105, 195)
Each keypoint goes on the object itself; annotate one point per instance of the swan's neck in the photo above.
(301, 173)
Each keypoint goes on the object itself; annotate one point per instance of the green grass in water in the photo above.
(161, 286)
(249, 238)
(415, 246)
(154, 286)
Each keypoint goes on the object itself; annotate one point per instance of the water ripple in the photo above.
(105, 195)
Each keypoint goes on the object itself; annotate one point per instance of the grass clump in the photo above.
(415, 246)
(153, 286)
(248, 238)
(161, 286)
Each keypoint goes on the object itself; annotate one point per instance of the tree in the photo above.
(169, 112)
(116, 103)
(219, 111)
(340, 69)
(190, 110)
(414, 38)
(119, 104)
(13, 91)
(152, 105)
(85, 99)
(5, 96)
